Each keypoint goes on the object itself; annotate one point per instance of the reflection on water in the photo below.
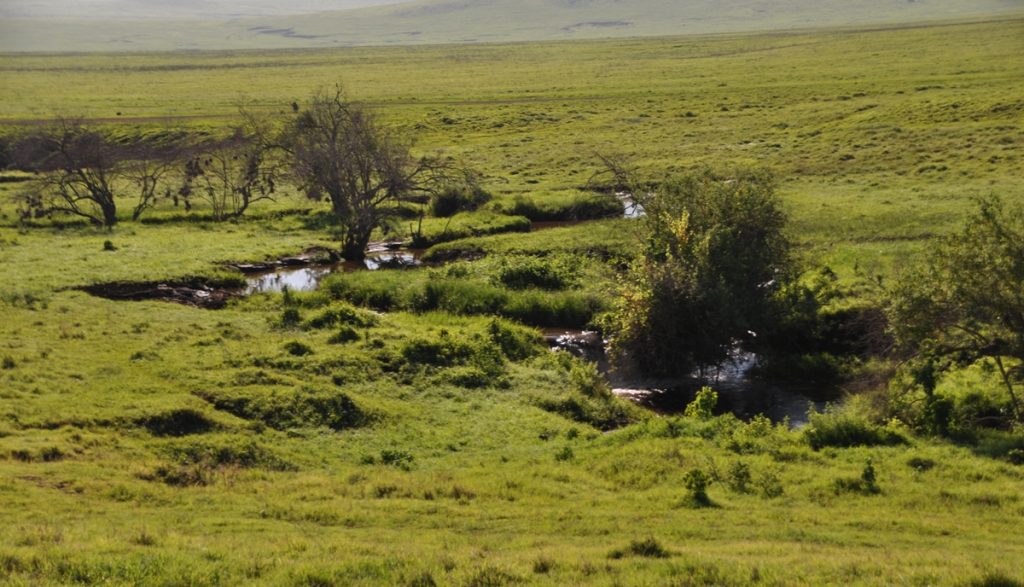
(630, 207)
(739, 391)
(308, 278)
(301, 279)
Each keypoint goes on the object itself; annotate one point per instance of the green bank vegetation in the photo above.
(411, 427)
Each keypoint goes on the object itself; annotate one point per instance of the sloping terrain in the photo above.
(449, 21)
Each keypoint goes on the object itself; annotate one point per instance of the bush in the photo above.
(770, 485)
(739, 477)
(458, 198)
(603, 414)
(703, 405)
(516, 343)
(472, 363)
(460, 296)
(290, 318)
(297, 349)
(396, 458)
(697, 482)
(343, 335)
(341, 314)
(846, 430)
(715, 253)
(469, 377)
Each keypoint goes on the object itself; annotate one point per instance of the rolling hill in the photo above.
(144, 26)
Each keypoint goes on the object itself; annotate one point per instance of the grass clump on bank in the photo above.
(538, 292)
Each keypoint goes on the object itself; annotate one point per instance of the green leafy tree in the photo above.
(965, 303)
(712, 257)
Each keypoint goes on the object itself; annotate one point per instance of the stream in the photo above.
(740, 391)
(307, 278)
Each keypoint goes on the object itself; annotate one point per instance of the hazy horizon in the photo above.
(180, 9)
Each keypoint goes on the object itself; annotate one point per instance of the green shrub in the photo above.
(516, 343)
(297, 349)
(341, 314)
(469, 377)
(696, 482)
(567, 309)
(290, 318)
(344, 335)
(472, 363)
(565, 454)
(703, 405)
(588, 380)
(458, 198)
(770, 485)
(739, 477)
(523, 271)
(995, 580)
(846, 430)
(460, 296)
(756, 436)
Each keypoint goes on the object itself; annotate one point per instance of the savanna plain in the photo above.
(410, 426)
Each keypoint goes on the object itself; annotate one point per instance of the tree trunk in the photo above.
(353, 247)
(109, 213)
(1015, 404)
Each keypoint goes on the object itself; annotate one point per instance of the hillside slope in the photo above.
(460, 21)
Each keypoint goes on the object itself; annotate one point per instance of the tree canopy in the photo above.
(713, 254)
(965, 303)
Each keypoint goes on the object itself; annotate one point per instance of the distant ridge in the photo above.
(468, 21)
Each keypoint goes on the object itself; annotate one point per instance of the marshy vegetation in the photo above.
(411, 425)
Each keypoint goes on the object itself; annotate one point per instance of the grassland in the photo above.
(298, 440)
(110, 27)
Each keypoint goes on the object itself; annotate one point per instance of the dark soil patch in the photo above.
(191, 292)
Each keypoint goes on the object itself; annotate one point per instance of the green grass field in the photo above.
(155, 443)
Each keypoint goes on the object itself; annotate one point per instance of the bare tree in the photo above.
(230, 175)
(233, 173)
(147, 171)
(82, 169)
(78, 167)
(340, 151)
